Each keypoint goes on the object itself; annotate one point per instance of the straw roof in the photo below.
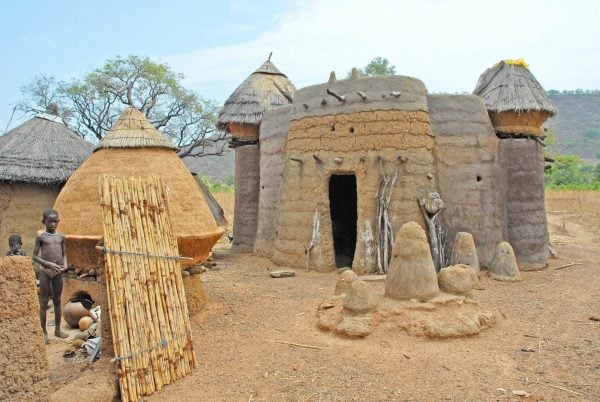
(265, 89)
(133, 130)
(42, 150)
(509, 86)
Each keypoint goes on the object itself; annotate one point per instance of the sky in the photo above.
(216, 44)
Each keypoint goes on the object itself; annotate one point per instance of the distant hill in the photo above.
(577, 124)
(213, 167)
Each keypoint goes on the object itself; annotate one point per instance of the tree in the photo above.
(377, 66)
(92, 104)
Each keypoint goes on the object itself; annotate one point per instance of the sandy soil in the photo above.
(544, 343)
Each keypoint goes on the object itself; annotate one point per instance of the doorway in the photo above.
(343, 210)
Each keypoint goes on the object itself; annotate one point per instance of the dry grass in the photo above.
(583, 204)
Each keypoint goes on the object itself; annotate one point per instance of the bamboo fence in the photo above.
(149, 317)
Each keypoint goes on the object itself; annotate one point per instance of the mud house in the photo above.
(349, 159)
(36, 159)
(265, 89)
(133, 147)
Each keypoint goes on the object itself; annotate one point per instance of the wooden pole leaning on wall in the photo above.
(150, 323)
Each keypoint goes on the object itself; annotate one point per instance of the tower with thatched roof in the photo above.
(133, 147)
(36, 159)
(265, 89)
(518, 106)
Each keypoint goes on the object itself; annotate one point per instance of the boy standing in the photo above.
(15, 243)
(53, 261)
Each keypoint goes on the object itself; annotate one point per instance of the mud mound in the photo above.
(23, 361)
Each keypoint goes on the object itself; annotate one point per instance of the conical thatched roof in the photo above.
(510, 86)
(265, 89)
(42, 150)
(133, 130)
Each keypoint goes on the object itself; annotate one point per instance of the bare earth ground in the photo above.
(544, 342)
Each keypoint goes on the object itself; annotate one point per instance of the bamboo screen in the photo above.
(148, 312)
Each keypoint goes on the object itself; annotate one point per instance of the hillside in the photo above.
(577, 124)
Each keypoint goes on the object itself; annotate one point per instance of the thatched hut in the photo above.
(133, 147)
(518, 106)
(36, 159)
(265, 89)
(516, 102)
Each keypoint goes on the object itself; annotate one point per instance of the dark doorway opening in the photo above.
(343, 207)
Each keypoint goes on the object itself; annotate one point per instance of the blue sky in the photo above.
(217, 44)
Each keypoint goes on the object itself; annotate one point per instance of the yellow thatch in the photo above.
(133, 130)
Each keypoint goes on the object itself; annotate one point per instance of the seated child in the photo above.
(15, 243)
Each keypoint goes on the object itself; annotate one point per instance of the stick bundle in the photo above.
(148, 312)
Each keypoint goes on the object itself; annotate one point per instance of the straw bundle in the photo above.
(148, 312)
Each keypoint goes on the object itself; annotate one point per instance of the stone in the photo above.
(504, 264)
(411, 273)
(457, 279)
(343, 269)
(344, 281)
(195, 270)
(185, 273)
(215, 268)
(360, 297)
(464, 251)
(283, 274)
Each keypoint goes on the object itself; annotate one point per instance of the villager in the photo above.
(15, 243)
(52, 258)
(79, 306)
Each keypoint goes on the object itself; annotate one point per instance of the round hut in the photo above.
(133, 147)
(265, 89)
(36, 159)
(518, 106)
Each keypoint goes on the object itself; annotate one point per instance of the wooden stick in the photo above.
(568, 265)
(301, 345)
(563, 389)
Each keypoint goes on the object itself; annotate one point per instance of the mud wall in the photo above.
(468, 173)
(23, 361)
(21, 208)
(273, 135)
(522, 160)
(367, 144)
(247, 184)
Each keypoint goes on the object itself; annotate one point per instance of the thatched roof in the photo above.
(265, 89)
(509, 86)
(42, 150)
(133, 130)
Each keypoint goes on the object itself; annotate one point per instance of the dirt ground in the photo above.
(544, 342)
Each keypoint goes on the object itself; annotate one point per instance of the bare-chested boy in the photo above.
(53, 261)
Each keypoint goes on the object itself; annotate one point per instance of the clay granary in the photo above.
(347, 153)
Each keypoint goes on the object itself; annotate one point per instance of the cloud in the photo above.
(447, 44)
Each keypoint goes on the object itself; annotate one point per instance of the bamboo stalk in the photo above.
(146, 294)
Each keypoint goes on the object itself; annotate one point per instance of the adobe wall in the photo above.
(247, 182)
(23, 361)
(522, 160)
(273, 135)
(470, 179)
(21, 208)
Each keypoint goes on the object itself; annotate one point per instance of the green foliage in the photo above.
(224, 185)
(377, 66)
(91, 104)
(572, 173)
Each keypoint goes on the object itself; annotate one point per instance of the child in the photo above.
(53, 261)
(15, 243)
(79, 306)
